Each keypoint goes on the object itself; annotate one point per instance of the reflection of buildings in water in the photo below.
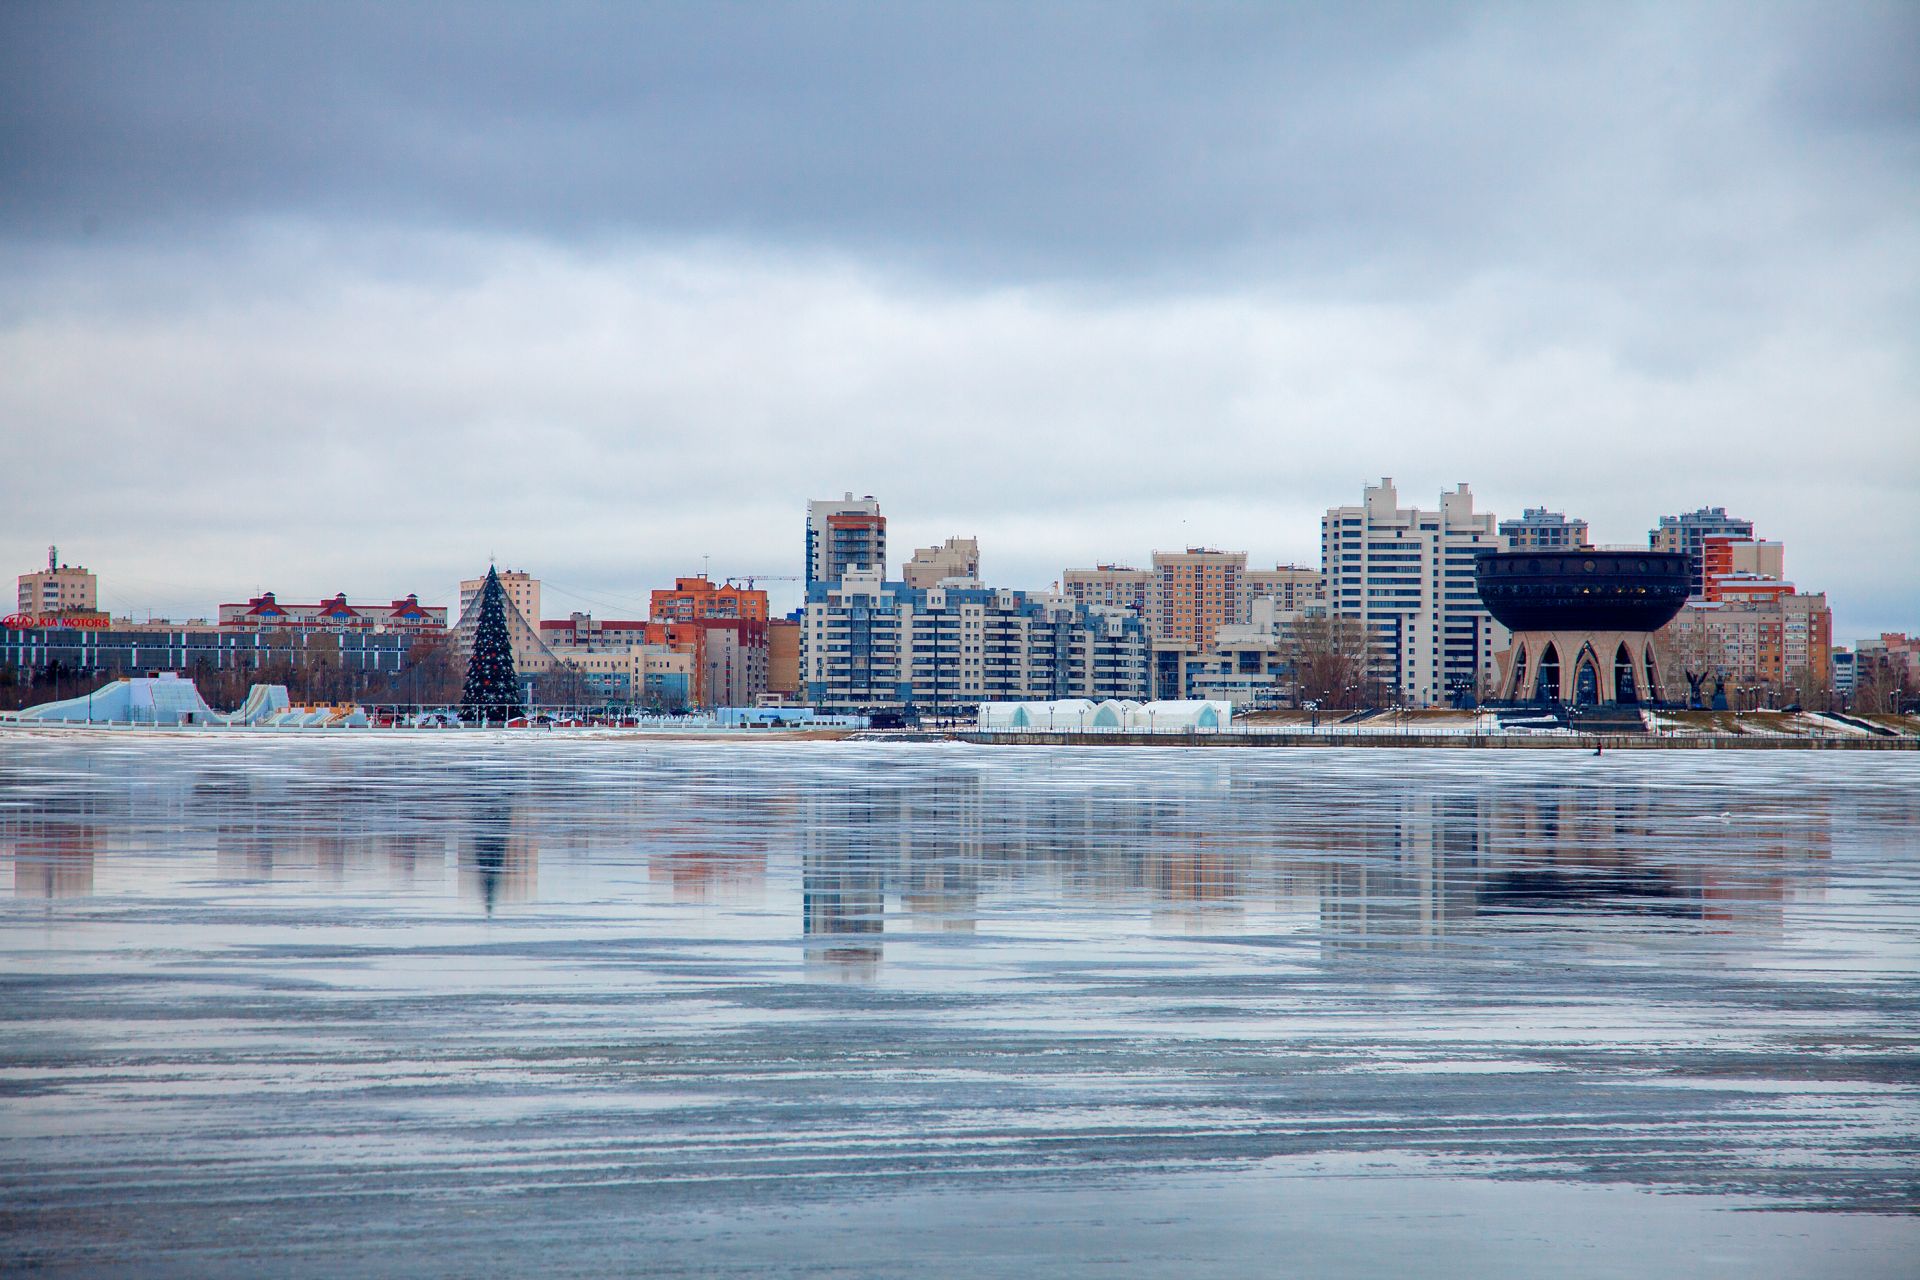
(709, 836)
(843, 904)
(330, 848)
(849, 835)
(499, 855)
(938, 852)
(708, 875)
(51, 859)
(1504, 854)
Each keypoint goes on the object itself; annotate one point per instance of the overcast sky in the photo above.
(340, 298)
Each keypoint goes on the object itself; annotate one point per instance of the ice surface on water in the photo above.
(264, 991)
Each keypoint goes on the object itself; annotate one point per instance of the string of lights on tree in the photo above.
(492, 691)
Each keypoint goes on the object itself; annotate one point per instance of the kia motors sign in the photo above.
(50, 621)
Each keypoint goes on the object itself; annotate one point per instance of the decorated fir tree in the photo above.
(492, 691)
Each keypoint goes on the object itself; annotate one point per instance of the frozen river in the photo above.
(489, 1004)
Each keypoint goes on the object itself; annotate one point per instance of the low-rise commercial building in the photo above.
(136, 648)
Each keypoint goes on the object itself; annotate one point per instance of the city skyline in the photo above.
(786, 592)
(318, 300)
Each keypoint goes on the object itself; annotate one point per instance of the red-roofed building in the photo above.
(264, 612)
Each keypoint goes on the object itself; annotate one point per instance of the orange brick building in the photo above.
(693, 598)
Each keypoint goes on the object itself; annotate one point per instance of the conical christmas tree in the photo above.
(492, 691)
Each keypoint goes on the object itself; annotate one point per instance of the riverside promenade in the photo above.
(1460, 741)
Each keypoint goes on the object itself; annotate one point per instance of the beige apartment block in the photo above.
(1113, 586)
(1198, 591)
(1291, 587)
(58, 588)
(531, 656)
(954, 558)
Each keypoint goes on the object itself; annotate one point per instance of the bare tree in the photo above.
(1329, 657)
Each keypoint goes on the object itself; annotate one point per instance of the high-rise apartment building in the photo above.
(1197, 592)
(954, 558)
(58, 589)
(1408, 575)
(1689, 533)
(1538, 529)
(846, 534)
(1114, 586)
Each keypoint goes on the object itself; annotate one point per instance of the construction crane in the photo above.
(750, 578)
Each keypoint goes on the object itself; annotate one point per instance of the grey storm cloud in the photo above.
(347, 297)
(1056, 138)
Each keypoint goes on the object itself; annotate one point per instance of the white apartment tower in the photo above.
(849, 533)
(1408, 574)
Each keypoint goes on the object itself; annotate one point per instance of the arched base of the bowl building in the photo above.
(1581, 668)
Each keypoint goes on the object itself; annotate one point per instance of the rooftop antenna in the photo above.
(53, 559)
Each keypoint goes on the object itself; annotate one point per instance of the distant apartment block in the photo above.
(1114, 586)
(1290, 587)
(1408, 575)
(265, 612)
(875, 645)
(1538, 529)
(783, 660)
(1733, 568)
(1892, 652)
(846, 534)
(625, 661)
(693, 598)
(1689, 533)
(58, 589)
(1776, 641)
(1197, 592)
(954, 558)
(726, 658)
(530, 653)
